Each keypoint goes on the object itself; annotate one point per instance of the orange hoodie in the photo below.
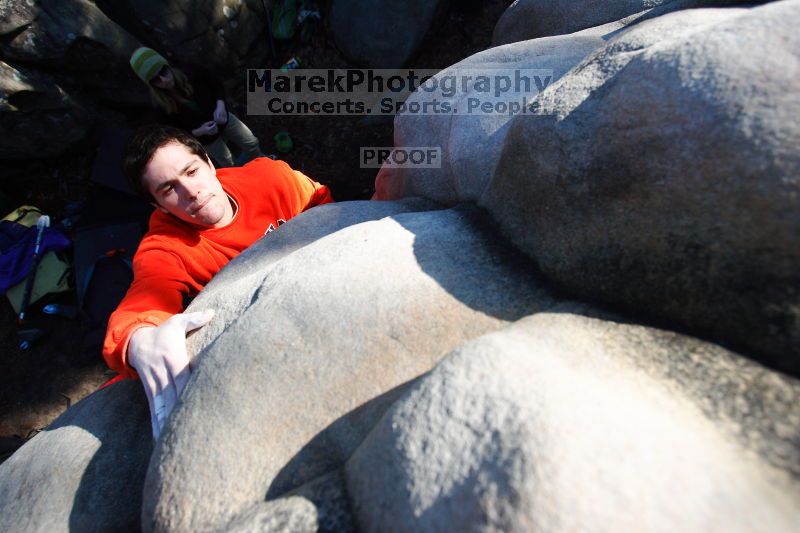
(174, 261)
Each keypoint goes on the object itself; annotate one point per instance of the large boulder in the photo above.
(73, 37)
(84, 472)
(329, 338)
(531, 19)
(38, 118)
(567, 423)
(381, 33)
(471, 142)
(660, 176)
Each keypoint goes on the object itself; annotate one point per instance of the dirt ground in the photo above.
(38, 384)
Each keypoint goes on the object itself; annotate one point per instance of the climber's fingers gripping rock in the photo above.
(159, 356)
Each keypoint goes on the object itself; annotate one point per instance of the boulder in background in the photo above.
(531, 19)
(660, 176)
(38, 118)
(74, 38)
(221, 36)
(471, 142)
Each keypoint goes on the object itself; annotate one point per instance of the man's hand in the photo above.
(207, 128)
(159, 356)
(220, 113)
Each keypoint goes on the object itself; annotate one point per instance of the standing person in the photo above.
(204, 218)
(194, 101)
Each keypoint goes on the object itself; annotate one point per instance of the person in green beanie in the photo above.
(194, 101)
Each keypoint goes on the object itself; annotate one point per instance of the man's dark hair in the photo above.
(143, 145)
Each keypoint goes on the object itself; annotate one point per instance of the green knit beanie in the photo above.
(146, 63)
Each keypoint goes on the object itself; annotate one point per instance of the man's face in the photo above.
(187, 187)
(164, 79)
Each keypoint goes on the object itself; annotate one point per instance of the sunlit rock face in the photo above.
(660, 175)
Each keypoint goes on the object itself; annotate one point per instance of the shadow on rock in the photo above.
(85, 472)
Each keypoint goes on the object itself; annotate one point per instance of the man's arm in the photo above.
(147, 333)
(318, 194)
(301, 192)
(159, 356)
(158, 292)
(288, 192)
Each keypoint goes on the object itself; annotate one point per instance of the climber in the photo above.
(204, 217)
(195, 102)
